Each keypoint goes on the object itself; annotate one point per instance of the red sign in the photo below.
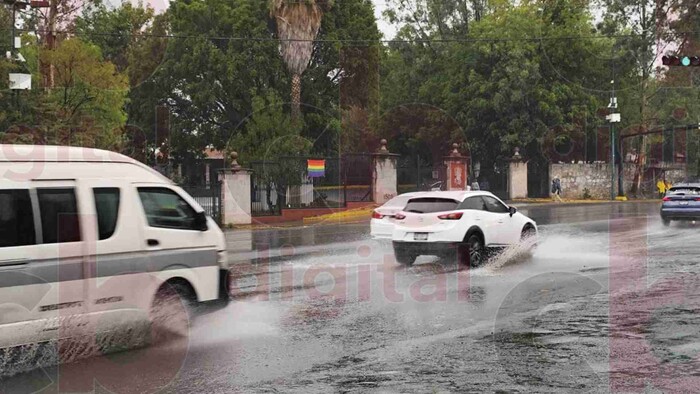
(458, 176)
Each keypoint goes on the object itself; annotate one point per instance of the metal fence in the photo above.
(416, 174)
(208, 196)
(285, 183)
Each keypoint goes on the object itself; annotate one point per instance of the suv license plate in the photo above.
(420, 236)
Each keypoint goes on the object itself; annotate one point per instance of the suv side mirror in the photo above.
(200, 222)
(512, 211)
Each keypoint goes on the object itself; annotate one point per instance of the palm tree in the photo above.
(298, 22)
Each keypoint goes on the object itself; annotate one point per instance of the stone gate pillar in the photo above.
(235, 194)
(384, 177)
(517, 176)
(456, 167)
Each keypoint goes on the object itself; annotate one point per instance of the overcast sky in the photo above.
(386, 29)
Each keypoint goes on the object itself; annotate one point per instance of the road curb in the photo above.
(350, 215)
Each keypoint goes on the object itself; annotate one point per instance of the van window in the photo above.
(430, 204)
(107, 206)
(16, 219)
(165, 208)
(59, 215)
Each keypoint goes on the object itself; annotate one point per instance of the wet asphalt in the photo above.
(607, 302)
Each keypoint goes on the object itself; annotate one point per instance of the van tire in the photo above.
(172, 311)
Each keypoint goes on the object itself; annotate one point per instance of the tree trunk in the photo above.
(296, 96)
(48, 69)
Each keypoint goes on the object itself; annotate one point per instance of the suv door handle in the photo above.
(153, 242)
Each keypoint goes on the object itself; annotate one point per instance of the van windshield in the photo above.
(430, 204)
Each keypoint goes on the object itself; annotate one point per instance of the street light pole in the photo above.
(613, 118)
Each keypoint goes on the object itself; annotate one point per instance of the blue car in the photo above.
(682, 202)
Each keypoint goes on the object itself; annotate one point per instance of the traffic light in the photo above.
(683, 61)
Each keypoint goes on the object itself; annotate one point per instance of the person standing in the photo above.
(556, 189)
(661, 187)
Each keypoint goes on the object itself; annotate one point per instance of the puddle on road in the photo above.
(239, 320)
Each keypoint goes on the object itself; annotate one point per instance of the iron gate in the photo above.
(208, 196)
(285, 183)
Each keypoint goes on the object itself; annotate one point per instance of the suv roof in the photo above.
(459, 195)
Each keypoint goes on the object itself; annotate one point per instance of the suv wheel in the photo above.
(405, 257)
(474, 250)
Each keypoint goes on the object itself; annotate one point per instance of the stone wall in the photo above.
(576, 178)
(595, 177)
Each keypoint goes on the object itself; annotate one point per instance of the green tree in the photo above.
(114, 30)
(85, 107)
(341, 85)
(646, 23)
(209, 82)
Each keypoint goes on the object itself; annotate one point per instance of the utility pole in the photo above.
(613, 118)
(20, 81)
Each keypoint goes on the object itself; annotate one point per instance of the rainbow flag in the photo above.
(316, 168)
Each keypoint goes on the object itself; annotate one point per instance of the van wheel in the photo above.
(405, 257)
(172, 311)
(666, 222)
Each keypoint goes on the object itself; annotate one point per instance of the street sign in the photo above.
(20, 81)
(613, 118)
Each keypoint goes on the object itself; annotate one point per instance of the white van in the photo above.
(91, 235)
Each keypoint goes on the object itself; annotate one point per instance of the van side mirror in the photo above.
(512, 211)
(200, 221)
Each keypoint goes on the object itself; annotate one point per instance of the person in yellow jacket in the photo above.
(661, 186)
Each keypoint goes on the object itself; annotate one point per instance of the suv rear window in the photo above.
(428, 205)
(397, 202)
(685, 190)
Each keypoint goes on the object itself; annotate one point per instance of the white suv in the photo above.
(442, 223)
(382, 223)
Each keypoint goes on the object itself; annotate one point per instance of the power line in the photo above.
(357, 41)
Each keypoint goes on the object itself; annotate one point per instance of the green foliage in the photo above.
(270, 132)
(114, 30)
(84, 108)
(209, 84)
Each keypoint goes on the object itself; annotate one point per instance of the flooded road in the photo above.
(608, 301)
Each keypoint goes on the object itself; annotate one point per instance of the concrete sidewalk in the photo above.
(364, 214)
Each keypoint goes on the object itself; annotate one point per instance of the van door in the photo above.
(58, 257)
(118, 293)
(20, 292)
(173, 242)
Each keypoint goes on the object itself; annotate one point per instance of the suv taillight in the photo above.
(376, 215)
(667, 199)
(451, 216)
